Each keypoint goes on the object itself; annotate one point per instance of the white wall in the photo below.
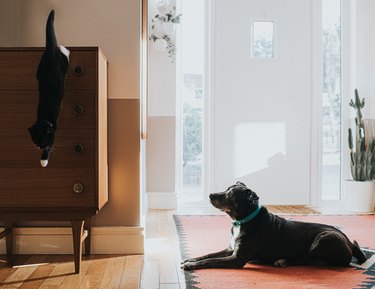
(161, 76)
(161, 152)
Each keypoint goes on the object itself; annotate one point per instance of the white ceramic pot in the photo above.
(359, 196)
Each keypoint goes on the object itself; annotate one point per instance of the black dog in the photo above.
(259, 236)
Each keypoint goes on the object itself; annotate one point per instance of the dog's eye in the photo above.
(230, 194)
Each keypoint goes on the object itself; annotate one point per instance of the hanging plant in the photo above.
(163, 32)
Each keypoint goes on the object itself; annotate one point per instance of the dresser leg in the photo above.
(87, 227)
(77, 229)
(9, 242)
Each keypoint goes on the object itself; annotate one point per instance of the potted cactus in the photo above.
(359, 192)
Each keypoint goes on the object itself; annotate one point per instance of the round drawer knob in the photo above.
(78, 148)
(78, 188)
(78, 109)
(78, 69)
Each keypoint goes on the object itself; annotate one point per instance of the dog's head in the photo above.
(237, 201)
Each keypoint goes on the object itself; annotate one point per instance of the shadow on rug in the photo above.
(204, 234)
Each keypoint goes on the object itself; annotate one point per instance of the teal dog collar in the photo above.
(248, 218)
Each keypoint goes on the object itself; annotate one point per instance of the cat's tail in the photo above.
(51, 42)
(45, 157)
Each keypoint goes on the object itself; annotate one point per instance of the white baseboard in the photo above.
(104, 240)
(158, 200)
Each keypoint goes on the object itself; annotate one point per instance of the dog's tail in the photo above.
(357, 253)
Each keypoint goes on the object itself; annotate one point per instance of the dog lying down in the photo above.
(261, 237)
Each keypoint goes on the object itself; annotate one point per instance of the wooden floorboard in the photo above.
(6, 271)
(113, 274)
(57, 272)
(62, 269)
(161, 266)
(150, 275)
(131, 274)
(38, 276)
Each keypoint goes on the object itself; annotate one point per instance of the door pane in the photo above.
(192, 68)
(263, 44)
(331, 122)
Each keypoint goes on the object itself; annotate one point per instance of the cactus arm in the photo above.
(350, 139)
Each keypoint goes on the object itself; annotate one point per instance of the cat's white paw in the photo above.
(43, 163)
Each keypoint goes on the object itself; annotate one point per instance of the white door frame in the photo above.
(209, 127)
(348, 64)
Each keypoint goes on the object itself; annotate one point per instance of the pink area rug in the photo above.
(200, 235)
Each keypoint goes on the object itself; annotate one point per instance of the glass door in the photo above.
(192, 98)
(331, 101)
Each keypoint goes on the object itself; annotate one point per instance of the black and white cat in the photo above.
(51, 76)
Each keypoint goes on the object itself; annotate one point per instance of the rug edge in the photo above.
(189, 277)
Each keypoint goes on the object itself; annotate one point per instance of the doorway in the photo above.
(247, 99)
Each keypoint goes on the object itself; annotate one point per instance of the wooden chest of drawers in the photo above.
(73, 187)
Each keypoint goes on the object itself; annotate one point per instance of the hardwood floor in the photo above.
(57, 272)
(158, 268)
(162, 254)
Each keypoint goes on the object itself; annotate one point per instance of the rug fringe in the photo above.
(189, 275)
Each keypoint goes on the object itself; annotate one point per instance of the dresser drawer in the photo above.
(72, 148)
(18, 109)
(18, 70)
(82, 70)
(47, 188)
(78, 109)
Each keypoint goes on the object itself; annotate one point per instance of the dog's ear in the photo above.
(252, 195)
(241, 184)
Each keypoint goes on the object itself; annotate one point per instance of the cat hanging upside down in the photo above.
(51, 76)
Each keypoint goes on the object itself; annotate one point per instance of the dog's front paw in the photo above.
(188, 265)
(281, 263)
(188, 260)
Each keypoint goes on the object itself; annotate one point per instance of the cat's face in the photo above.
(42, 134)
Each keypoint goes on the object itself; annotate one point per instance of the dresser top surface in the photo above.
(71, 48)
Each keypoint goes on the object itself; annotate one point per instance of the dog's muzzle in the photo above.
(217, 200)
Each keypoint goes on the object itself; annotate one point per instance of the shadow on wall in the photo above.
(260, 157)
(269, 160)
(271, 181)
